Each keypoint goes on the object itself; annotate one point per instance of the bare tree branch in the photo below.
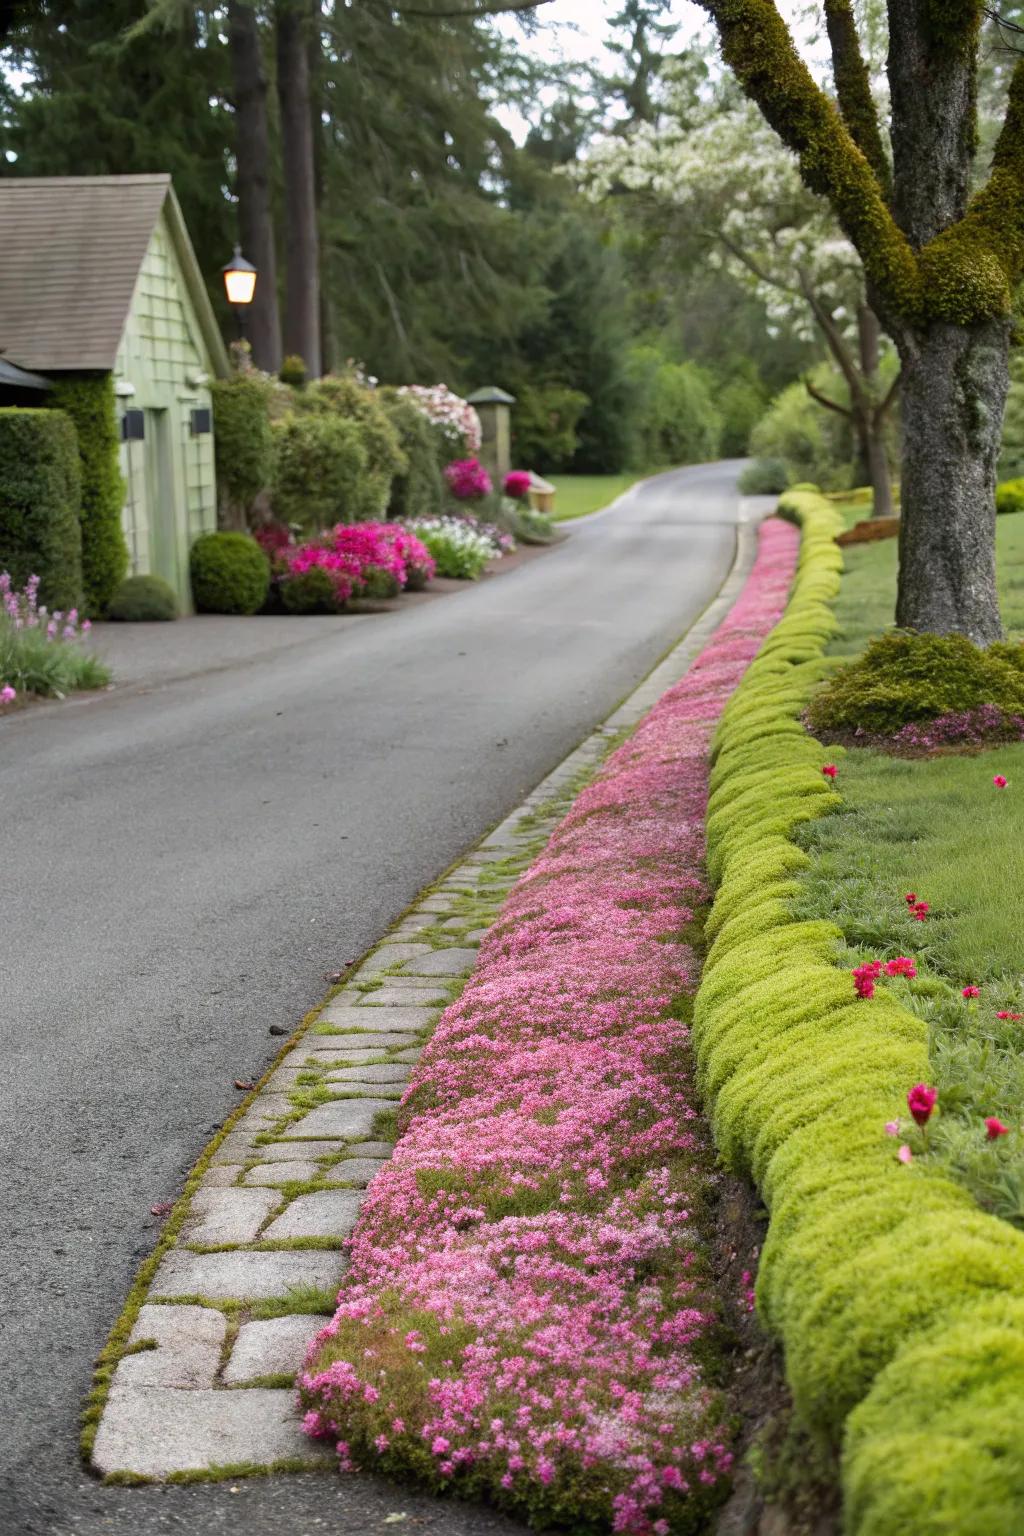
(754, 266)
(831, 405)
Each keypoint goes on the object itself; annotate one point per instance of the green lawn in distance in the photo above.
(576, 495)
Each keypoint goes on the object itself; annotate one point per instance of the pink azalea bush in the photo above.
(529, 1305)
(467, 480)
(517, 484)
(454, 417)
(355, 555)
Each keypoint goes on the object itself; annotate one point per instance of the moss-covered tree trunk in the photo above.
(941, 264)
(954, 388)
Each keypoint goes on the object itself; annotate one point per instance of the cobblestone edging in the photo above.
(204, 1379)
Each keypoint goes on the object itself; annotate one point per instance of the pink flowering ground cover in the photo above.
(529, 1315)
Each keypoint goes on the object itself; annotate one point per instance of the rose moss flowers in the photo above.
(921, 1102)
(529, 1306)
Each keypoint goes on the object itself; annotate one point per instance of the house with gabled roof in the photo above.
(97, 276)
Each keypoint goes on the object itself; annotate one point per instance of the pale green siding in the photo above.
(170, 487)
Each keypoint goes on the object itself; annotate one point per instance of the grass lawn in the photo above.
(579, 494)
(940, 828)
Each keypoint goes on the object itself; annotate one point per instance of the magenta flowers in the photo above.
(921, 1102)
(468, 480)
(1000, 781)
(517, 484)
(829, 770)
(529, 1299)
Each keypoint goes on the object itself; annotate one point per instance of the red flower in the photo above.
(972, 991)
(830, 770)
(865, 976)
(921, 1102)
(919, 911)
(1004, 1013)
(911, 898)
(901, 966)
(995, 1128)
(999, 781)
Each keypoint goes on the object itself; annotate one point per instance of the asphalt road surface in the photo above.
(182, 866)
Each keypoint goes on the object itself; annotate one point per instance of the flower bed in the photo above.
(353, 560)
(460, 546)
(39, 651)
(528, 1313)
(900, 1303)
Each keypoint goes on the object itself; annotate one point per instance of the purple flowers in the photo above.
(529, 1292)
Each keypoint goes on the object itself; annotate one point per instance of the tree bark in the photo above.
(302, 276)
(252, 181)
(954, 386)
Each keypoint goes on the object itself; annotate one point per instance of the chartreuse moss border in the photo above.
(899, 1303)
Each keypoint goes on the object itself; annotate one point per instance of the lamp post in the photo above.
(239, 285)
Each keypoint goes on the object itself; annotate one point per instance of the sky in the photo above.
(576, 29)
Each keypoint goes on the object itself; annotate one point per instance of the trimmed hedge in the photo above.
(230, 573)
(900, 1304)
(40, 501)
(88, 398)
(319, 464)
(418, 491)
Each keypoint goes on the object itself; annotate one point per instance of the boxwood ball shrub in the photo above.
(89, 400)
(40, 500)
(1010, 496)
(143, 600)
(903, 677)
(311, 591)
(899, 1303)
(230, 573)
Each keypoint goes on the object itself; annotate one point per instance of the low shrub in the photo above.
(870, 531)
(903, 677)
(40, 502)
(899, 1304)
(89, 400)
(765, 477)
(458, 549)
(1010, 496)
(39, 651)
(243, 441)
(313, 589)
(142, 600)
(319, 461)
(230, 573)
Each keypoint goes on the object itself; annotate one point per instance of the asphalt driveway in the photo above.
(185, 862)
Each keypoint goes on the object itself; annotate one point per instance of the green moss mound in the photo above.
(40, 500)
(143, 600)
(1010, 496)
(899, 1303)
(905, 677)
(230, 573)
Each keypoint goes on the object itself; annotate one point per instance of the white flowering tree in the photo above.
(727, 176)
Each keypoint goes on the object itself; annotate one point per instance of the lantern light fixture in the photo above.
(239, 280)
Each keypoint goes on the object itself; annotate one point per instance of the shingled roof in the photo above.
(70, 252)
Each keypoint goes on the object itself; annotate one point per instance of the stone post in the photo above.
(494, 407)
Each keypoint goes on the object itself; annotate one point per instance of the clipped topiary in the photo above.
(230, 573)
(89, 400)
(243, 443)
(1010, 496)
(764, 477)
(40, 498)
(143, 600)
(904, 677)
